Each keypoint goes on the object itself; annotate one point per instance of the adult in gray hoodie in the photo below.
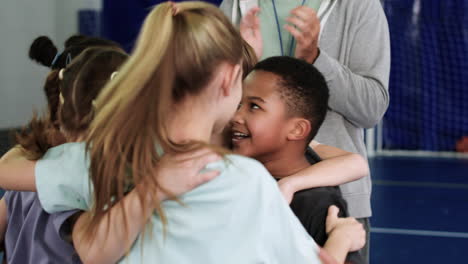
(352, 50)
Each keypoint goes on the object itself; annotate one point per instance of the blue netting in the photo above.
(429, 75)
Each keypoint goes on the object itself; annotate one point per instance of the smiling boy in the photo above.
(284, 103)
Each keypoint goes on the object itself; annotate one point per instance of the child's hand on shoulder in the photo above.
(348, 229)
(179, 173)
(287, 189)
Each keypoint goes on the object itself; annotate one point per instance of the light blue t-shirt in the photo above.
(239, 217)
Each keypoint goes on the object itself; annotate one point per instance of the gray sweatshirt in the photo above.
(355, 60)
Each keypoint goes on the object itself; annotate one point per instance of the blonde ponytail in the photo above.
(175, 56)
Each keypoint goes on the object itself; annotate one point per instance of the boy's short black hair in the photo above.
(302, 87)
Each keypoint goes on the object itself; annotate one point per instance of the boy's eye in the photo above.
(254, 106)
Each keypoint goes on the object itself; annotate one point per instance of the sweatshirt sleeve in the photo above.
(359, 89)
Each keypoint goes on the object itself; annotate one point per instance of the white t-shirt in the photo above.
(239, 217)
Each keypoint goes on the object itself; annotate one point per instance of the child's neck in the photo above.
(183, 127)
(285, 163)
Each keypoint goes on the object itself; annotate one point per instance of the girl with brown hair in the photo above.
(42, 132)
(31, 234)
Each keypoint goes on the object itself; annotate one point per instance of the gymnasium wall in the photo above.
(20, 79)
(21, 21)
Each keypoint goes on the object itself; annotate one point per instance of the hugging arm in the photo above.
(16, 171)
(337, 167)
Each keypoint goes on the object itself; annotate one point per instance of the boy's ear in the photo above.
(300, 129)
(231, 74)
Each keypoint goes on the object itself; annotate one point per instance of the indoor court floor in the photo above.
(420, 210)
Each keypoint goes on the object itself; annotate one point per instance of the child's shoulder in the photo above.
(68, 155)
(238, 159)
(62, 178)
(20, 199)
(245, 165)
(331, 193)
(240, 179)
(240, 169)
(73, 147)
(68, 152)
(319, 199)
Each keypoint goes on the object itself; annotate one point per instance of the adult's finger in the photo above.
(206, 177)
(254, 10)
(250, 18)
(298, 35)
(304, 12)
(299, 23)
(200, 162)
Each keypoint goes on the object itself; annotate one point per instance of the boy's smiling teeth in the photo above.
(239, 135)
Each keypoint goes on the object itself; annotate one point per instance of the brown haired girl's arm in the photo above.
(16, 171)
(177, 174)
(337, 167)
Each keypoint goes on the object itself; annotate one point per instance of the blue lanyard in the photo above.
(279, 30)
